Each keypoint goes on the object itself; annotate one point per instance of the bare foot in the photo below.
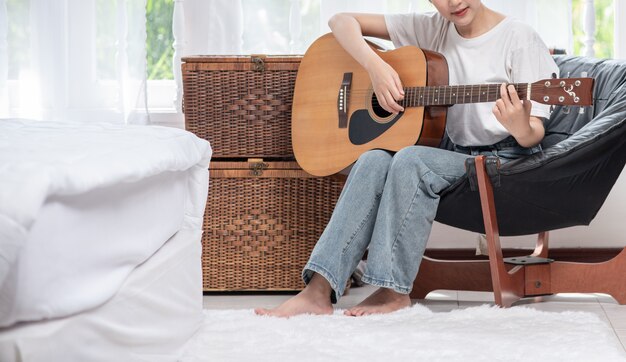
(314, 299)
(384, 300)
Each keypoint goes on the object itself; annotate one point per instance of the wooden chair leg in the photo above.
(508, 286)
(541, 247)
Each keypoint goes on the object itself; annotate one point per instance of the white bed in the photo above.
(100, 230)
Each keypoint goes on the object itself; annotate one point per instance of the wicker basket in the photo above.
(261, 222)
(262, 219)
(241, 104)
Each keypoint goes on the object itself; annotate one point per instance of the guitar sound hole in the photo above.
(377, 109)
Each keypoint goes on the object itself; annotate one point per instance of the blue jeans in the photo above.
(388, 206)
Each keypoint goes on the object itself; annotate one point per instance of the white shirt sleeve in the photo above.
(424, 30)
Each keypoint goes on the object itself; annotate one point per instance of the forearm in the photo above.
(533, 135)
(349, 30)
(349, 34)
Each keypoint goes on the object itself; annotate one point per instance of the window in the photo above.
(159, 50)
(18, 34)
(603, 46)
(81, 43)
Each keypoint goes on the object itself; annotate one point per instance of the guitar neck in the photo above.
(446, 95)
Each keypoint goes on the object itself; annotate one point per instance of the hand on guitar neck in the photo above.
(514, 114)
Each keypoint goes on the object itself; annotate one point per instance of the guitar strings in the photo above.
(440, 89)
(429, 94)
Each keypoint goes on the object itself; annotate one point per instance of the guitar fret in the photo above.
(407, 97)
(416, 96)
(432, 97)
(420, 99)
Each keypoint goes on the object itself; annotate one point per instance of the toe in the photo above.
(261, 311)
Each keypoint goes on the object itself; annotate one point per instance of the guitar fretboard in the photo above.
(446, 95)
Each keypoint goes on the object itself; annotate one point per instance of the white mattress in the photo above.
(81, 247)
(155, 312)
(81, 205)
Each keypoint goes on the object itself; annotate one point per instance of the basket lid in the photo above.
(242, 58)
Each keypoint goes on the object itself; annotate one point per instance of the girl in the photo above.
(390, 200)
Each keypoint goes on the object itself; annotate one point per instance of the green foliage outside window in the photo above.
(603, 46)
(159, 50)
(19, 34)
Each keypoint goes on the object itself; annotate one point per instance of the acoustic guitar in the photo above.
(336, 116)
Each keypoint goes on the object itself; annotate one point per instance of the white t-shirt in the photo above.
(510, 52)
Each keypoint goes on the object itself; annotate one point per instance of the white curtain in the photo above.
(4, 57)
(290, 26)
(86, 59)
(83, 60)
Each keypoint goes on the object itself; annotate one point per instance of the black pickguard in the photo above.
(362, 128)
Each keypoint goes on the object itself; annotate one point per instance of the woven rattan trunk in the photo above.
(262, 220)
(241, 104)
(264, 213)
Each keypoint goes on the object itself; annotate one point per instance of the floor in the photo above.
(444, 301)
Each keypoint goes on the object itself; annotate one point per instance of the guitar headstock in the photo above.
(563, 91)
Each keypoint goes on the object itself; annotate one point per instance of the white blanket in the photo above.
(43, 159)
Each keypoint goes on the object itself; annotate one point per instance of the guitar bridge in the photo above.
(342, 99)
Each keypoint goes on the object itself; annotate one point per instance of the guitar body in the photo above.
(322, 143)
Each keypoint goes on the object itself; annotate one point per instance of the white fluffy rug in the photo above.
(414, 334)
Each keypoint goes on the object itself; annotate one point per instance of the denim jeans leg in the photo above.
(342, 244)
(407, 210)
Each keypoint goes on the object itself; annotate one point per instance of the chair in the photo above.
(565, 185)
